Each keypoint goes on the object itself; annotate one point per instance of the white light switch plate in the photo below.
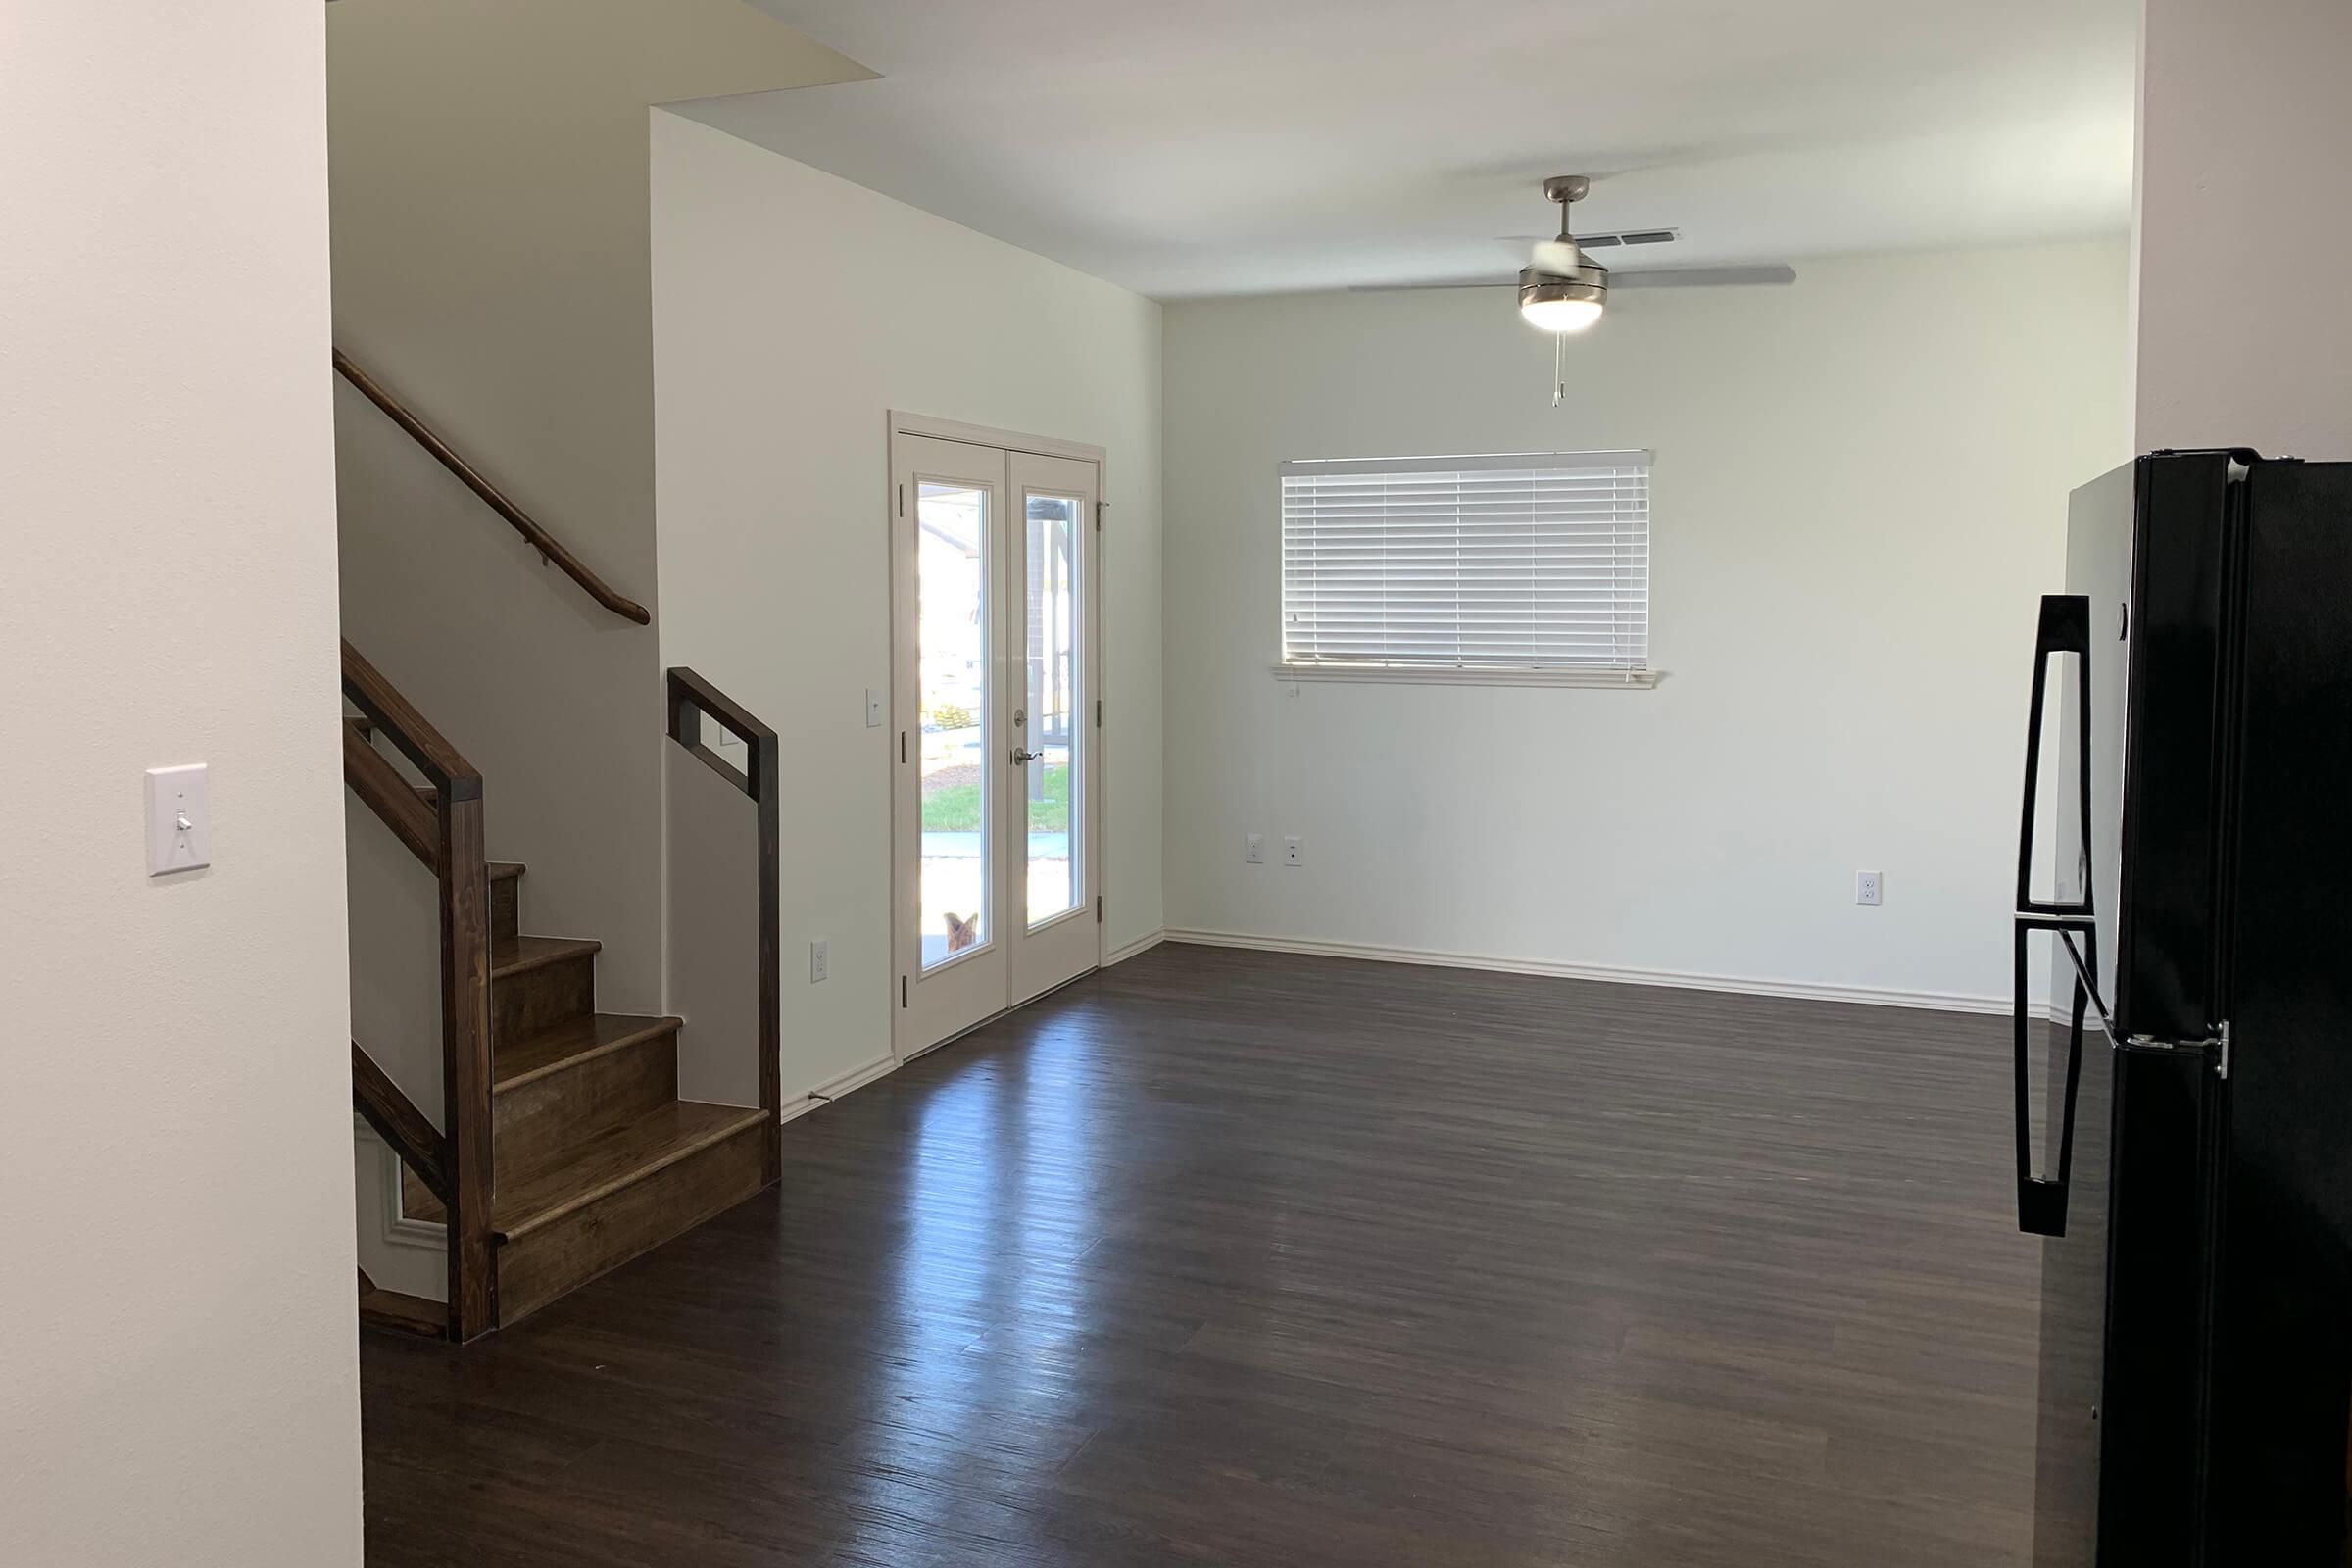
(179, 820)
(873, 708)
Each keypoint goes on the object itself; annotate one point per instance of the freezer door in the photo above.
(2284, 1338)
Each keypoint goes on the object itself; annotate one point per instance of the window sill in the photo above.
(1470, 675)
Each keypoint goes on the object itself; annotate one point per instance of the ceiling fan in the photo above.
(1562, 289)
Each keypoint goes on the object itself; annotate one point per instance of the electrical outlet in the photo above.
(820, 960)
(1254, 849)
(1294, 850)
(1869, 887)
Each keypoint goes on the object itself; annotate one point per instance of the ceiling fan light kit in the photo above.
(1560, 304)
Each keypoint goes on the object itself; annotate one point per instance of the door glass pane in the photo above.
(1057, 707)
(951, 555)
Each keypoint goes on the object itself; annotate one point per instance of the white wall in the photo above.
(490, 266)
(792, 311)
(1860, 490)
(181, 1363)
(2245, 219)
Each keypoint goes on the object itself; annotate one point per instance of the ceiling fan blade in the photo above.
(1706, 277)
(1603, 239)
(1401, 288)
(1771, 275)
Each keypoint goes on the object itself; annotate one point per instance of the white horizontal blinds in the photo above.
(1504, 563)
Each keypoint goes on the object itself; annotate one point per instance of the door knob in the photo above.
(1021, 759)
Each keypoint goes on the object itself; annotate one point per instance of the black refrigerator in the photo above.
(2183, 1096)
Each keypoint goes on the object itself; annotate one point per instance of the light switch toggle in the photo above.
(179, 820)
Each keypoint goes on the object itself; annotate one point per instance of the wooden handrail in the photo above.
(406, 728)
(415, 1140)
(548, 547)
(381, 788)
(447, 835)
(690, 696)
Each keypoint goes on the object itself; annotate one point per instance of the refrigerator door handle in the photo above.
(2064, 628)
(2041, 1199)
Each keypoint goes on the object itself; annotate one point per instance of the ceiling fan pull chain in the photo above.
(1560, 368)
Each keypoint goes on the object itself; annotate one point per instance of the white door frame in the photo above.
(901, 423)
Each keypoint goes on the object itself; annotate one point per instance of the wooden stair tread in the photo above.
(569, 1044)
(500, 870)
(602, 1165)
(529, 952)
(616, 1158)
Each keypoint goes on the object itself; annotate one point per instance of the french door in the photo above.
(995, 800)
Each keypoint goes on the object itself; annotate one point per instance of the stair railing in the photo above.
(691, 700)
(551, 548)
(446, 834)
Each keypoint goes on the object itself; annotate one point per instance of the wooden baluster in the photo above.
(465, 1059)
(764, 794)
(461, 870)
(689, 698)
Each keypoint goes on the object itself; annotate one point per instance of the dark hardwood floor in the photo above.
(1245, 1258)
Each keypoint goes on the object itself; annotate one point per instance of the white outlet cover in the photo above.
(820, 956)
(178, 796)
(1870, 887)
(1254, 849)
(1294, 850)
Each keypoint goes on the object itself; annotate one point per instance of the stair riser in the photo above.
(549, 1115)
(522, 1005)
(538, 1268)
(505, 909)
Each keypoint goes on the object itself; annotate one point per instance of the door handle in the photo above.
(2065, 628)
(2041, 1199)
(1021, 759)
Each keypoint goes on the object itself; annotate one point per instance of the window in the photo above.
(1517, 568)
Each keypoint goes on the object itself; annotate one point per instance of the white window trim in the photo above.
(1555, 675)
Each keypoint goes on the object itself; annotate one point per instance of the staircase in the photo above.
(597, 1159)
(565, 1149)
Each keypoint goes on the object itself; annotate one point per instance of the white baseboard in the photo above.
(1128, 950)
(825, 1094)
(1615, 974)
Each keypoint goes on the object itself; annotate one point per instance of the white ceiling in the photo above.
(1250, 146)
